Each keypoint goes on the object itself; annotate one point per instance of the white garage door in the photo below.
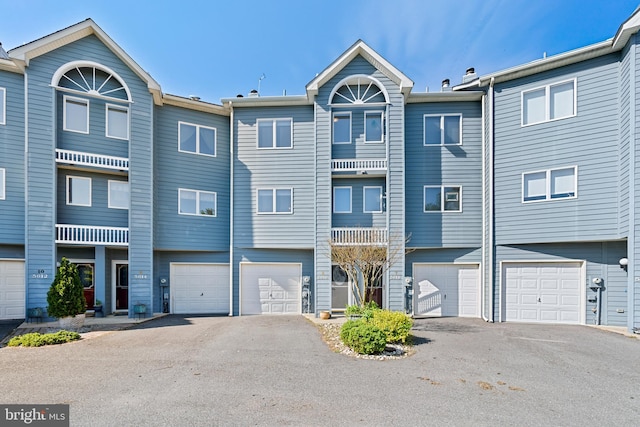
(199, 288)
(446, 290)
(12, 293)
(543, 292)
(270, 288)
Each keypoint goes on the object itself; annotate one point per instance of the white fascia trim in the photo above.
(11, 66)
(267, 101)
(626, 30)
(465, 96)
(192, 104)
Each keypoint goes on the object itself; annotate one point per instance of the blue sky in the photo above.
(217, 49)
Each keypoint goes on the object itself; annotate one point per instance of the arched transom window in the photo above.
(357, 90)
(92, 79)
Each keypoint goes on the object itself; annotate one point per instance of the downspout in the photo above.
(483, 254)
(231, 180)
(631, 239)
(491, 248)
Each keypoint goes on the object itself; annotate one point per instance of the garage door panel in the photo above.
(542, 292)
(279, 287)
(199, 288)
(12, 290)
(446, 290)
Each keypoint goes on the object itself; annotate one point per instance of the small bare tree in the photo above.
(366, 262)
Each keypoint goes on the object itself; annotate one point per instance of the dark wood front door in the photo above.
(122, 286)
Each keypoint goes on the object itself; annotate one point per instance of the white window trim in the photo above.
(198, 192)
(109, 194)
(198, 127)
(3, 116)
(3, 186)
(371, 113)
(333, 136)
(106, 120)
(350, 200)
(69, 177)
(364, 199)
(548, 197)
(442, 198)
(273, 195)
(274, 128)
(66, 98)
(442, 116)
(547, 102)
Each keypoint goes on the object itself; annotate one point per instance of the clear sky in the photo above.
(218, 49)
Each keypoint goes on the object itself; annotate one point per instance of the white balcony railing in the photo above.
(89, 159)
(358, 165)
(90, 234)
(359, 236)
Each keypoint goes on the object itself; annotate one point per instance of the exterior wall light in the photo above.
(623, 263)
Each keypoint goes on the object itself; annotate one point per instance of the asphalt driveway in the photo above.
(275, 370)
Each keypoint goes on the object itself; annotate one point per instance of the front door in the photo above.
(121, 285)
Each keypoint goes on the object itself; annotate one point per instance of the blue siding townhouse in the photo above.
(518, 189)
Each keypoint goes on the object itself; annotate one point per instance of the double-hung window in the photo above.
(275, 133)
(76, 114)
(373, 126)
(119, 194)
(372, 199)
(275, 200)
(342, 199)
(342, 128)
(442, 198)
(550, 184)
(196, 202)
(196, 139)
(3, 106)
(78, 191)
(442, 129)
(117, 123)
(550, 102)
(3, 192)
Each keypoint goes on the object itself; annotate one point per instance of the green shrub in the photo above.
(395, 324)
(66, 294)
(365, 311)
(36, 339)
(363, 337)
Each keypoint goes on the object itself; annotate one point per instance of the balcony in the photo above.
(365, 166)
(92, 235)
(79, 158)
(359, 236)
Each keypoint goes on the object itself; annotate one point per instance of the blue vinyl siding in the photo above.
(589, 140)
(274, 168)
(444, 165)
(12, 160)
(358, 218)
(624, 101)
(456, 255)
(174, 170)
(98, 213)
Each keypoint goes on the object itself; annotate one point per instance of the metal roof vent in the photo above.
(194, 98)
(254, 94)
(446, 85)
(470, 75)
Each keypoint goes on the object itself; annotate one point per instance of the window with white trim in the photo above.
(373, 126)
(3, 106)
(196, 139)
(196, 202)
(275, 200)
(117, 121)
(442, 198)
(550, 184)
(442, 129)
(3, 191)
(342, 199)
(119, 194)
(342, 128)
(372, 199)
(275, 133)
(78, 191)
(551, 102)
(76, 114)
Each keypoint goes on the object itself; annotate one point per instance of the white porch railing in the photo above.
(90, 234)
(351, 165)
(90, 159)
(359, 236)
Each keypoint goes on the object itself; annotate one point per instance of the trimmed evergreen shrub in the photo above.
(66, 294)
(395, 324)
(363, 337)
(36, 339)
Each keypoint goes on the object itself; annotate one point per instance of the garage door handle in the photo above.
(539, 300)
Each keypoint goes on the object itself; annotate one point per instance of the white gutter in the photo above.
(231, 265)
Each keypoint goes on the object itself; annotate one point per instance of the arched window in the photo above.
(92, 79)
(359, 89)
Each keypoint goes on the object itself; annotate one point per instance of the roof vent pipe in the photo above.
(254, 94)
(470, 75)
(194, 98)
(446, 85)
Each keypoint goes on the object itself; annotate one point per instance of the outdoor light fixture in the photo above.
(623, 263)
